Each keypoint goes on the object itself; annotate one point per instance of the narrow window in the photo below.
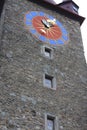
(51, 122)
(1, 6)
(47, 52)
(75, 9)
(48, 81)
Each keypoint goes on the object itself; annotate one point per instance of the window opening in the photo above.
(47, 52)
(49, 81)
(50, 123)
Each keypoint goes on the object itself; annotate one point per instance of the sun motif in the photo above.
(46, 28)
(53, 32)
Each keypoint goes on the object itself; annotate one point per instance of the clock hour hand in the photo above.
(48, 23)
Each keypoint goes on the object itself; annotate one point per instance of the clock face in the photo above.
(46, 28)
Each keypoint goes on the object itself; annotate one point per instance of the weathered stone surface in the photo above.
(23, 98)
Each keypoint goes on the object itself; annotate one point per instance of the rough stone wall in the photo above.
(23, 98)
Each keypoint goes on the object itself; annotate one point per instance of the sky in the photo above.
(83, 12)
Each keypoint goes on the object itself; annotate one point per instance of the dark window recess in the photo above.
(50, 123)
(48, 52)
(75, 9)
(49, 81)
(1, 6)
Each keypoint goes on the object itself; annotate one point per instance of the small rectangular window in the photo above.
(47, 52)
(51, 122)
(2, 2)
(75, 9)
(48, 81)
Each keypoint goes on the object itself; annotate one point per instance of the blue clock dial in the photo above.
(46, 28)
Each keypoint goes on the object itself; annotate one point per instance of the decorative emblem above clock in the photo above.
(46, 28)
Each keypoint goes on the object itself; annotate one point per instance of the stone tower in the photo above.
(43, 74)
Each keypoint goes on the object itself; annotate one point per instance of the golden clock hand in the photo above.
(46, 24)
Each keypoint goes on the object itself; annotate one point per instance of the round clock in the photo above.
(46, 28)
